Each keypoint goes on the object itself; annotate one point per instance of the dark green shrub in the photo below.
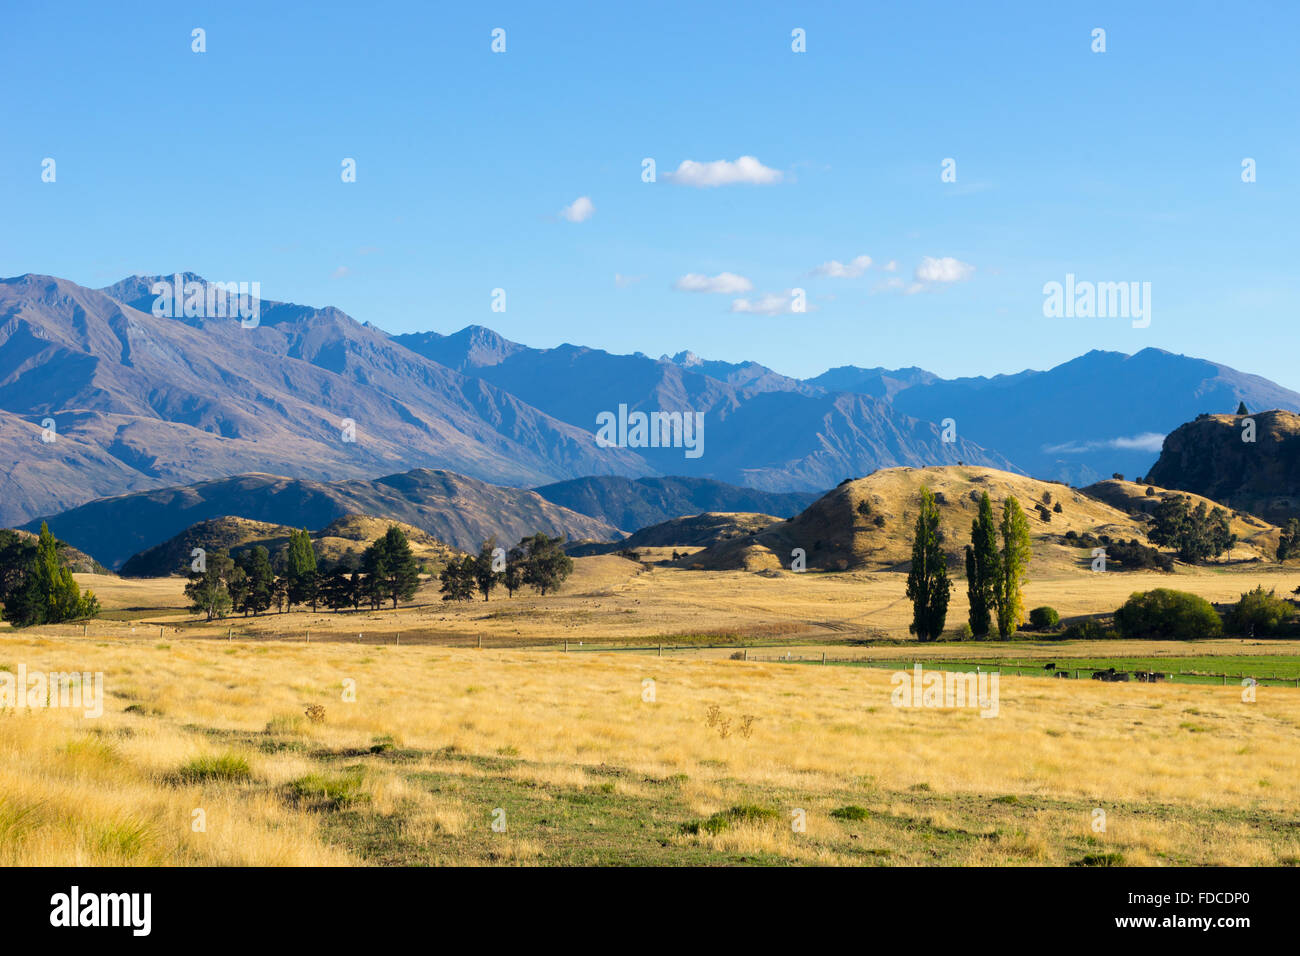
(1088, 630)
(851, 812)
(1259, 614)
(1043, 617)
(1164, 613)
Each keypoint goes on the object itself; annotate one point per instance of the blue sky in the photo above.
(1115, 166)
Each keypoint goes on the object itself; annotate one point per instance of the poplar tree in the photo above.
(1013, 564)
(982, 568)
(927, 582)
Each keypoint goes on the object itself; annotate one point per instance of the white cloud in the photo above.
(747, 170)
(623, 281)
(1147, 441)
(946, 269)
(727, 283)
(839, 270)
(340, 272)
(580, 210)
(892, 284)
(1144, 441)
(769, 303)
(891, 266)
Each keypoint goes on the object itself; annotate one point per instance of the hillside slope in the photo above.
(693, 531)
(868, 523)
(639, 503)
(141, 401)
(452, 508)
(1208, 457)
(342, 539)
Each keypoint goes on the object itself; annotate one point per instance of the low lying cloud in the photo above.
(721, 172)
(727, 283)
(852, 269)
(580, 210)
(1146, 441)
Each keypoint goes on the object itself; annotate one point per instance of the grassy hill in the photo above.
(693, 531)
(452, 508)
(346, 536)
(867, 524)
(634, 504)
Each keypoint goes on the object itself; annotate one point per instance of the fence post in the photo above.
(566, 645)
(229, 632)
(399, 638)
(307, 636)
(83, 630)
(746, 657)
(823, 657)
(661, 650)
(480, 641)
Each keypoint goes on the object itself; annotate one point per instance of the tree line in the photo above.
(36, 584)
(997, 559)
(249, 583)
(537, 561)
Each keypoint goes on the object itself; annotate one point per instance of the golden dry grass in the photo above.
(588, 772)
(612, 599)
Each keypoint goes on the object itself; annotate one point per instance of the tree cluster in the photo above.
(538, 561)
(36, 584)
(1197, 534)
(997, 559)
(250, 584)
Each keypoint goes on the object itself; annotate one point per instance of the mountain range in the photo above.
(100, 397)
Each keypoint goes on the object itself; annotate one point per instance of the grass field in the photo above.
(439, 740)
(242, 725)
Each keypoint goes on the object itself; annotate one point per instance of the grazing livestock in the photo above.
(1110, 675)
(1050, 667)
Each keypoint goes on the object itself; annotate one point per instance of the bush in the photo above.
(1259, 614)
(964, 633)
(213, 768)
(1043, 617)
(851, 812)
(1167, 614)
(745, 813)
(1088, 630)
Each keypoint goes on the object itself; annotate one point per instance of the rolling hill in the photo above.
(344, 538)
(452, 508)
(868, 524)
(639, 503)
(692, 531)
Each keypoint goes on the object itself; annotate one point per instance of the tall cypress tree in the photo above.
(927, 582)
(982, 568)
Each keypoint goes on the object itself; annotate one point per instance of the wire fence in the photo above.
(1062, 668)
